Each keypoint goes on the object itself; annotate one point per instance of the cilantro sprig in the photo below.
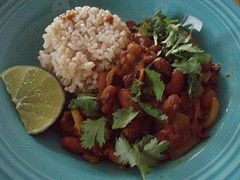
(122, 117)
(156, 26)
(87, 103)
(144, 154)
(136, 90)
(156, 83)
(154, 112)
(192, 67)
(194, 83)
(93, 132)
(157, 86)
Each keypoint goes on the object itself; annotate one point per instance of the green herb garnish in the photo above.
(154, 112)
(122, 117)
(144, 154)
(136, 90)
(157, 86)
(87, 103)
(93, 132)
(155, 82)
(156, 26)
(192, 68)
(194, 83)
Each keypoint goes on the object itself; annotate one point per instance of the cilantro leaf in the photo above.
(154, 112)
(144, 154)
(189, 66)
(171, 39)
(202, 58)
(159, 88)
(192, 68)
(173, 35)
(179, 40)
(126, 154)
(122, 117)
(185, 47)
(156, 26)
(145, 139)
(87, 103)
(194, 84)
(144, 28)
(136, 90)
(154, 147)
(93, 131)
(156, 83)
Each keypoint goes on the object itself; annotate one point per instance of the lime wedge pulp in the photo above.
(37, 94)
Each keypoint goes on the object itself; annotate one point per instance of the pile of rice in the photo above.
(82, 43)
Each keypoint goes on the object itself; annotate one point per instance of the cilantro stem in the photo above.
(143, 174)
(174, 47)
(155, 60)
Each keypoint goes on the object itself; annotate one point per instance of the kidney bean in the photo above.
(164, 133)
(123, 54)
(147, 59)
(125, 101)
(134, 49)
(73, 144)
(131, 58)
(207, 99)
(155, 48)
(176, 83)
(66, 123)
(162, 66)
(147, 125)
(197, 109)
(172, 104)
(206, 67)
(186, 102)
(123, 60)
(143, 40)
(108, 99)
(128, 79)
(110, 76)
(102, 83)
(111, 155)
(133, 130)
(91, 158)
(108, 93)
(131, 26)
(98, 151)
(125, 69)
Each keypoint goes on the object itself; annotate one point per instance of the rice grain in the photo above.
(82, 43)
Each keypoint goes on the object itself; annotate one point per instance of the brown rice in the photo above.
(80, 44)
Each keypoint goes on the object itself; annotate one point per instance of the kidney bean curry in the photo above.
(156, 104)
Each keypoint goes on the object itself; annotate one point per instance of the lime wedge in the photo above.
(37, 94)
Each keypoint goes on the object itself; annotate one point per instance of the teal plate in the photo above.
(22, 156)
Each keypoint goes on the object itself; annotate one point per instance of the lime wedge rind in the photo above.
(37, 94)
